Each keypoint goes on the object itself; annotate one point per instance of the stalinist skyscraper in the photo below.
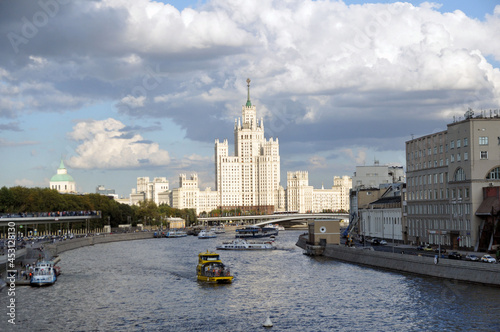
(251, 178)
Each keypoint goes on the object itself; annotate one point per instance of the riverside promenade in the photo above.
(475, 272)
(62, 246)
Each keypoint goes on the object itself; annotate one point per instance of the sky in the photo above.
(121, 89)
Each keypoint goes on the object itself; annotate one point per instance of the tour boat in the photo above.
(255, 232)
(211, 269)
(204, 234)
(44, 274)
(219, 230)
(242, 244)
(175, 233)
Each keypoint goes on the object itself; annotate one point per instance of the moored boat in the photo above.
(242, 244)
(211, 269)
(218, 230)
(255, 232)
(44, 274)
(175, 233)
(204, 234)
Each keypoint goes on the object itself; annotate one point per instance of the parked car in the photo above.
(454, 255)
(383, 242)
(443, 250)
(420, 248)
(488, 259)
(428, 248)
(471, 257)
(375, 242)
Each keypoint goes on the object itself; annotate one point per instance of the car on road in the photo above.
(454, 255)
(375, 242)
(428, 248)
(383, 242)
(471, 257)
(488, 259)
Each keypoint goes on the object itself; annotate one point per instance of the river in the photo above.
(150, 285)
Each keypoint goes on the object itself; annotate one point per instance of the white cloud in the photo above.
(105, 144)
(132, 101)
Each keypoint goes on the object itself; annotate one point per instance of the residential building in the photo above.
(189, 196)
(156, 190)
(250, 179)
(303, 198)
(446, 174)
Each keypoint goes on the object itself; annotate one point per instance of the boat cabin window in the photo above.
(210, 258)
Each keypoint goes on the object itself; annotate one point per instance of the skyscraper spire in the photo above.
(249, 103)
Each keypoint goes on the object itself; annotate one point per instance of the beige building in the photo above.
(303, 198)
(189, 196)
(446, 174)
(374, 175)
(251, 178)
(156, 190)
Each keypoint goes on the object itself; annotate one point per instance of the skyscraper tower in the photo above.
(250, 179)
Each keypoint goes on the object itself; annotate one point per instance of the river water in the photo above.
(150, 285)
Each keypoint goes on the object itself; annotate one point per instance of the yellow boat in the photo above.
(210, 269)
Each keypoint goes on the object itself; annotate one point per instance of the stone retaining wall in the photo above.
(484, 273)
(62, 246)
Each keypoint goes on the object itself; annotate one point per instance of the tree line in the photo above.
(16, 200)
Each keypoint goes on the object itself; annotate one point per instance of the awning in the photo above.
(489, 207)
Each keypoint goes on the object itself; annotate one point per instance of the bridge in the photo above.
(31, 222)
(260, 220)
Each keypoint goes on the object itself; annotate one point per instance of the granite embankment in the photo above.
(475, 272)
(62, 246)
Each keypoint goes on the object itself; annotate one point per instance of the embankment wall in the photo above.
(475, 272)
(62, 246)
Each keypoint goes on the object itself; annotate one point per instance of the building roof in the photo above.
(62, 176)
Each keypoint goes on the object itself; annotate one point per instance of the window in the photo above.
(483, 140)
(484, 155)
(459, 175)
(458, 143)
(458, 156)
(494, 174)
(452, 158)
(466, 141)
(452, 144)
(466, 156)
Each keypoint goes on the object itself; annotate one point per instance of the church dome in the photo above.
(62, 174)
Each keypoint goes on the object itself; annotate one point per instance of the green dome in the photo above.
(62, 178)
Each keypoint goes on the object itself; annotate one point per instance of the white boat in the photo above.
(242, 244)
(219, 230)
(44, 274)
(175, 233)
(204, 234)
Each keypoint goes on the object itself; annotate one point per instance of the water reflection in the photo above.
(151, 285)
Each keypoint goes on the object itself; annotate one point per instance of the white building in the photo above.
(62, 181)
(156, 190)
(251, 178)
(189, 196)
(303, 198)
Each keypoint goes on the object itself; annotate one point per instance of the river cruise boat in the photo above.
(242, 244)
(255, 232)
(219, 230)
(175, 233)
(44, 274)
(211, 269)
(204, 234)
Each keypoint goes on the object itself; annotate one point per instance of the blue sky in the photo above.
(123, 89)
